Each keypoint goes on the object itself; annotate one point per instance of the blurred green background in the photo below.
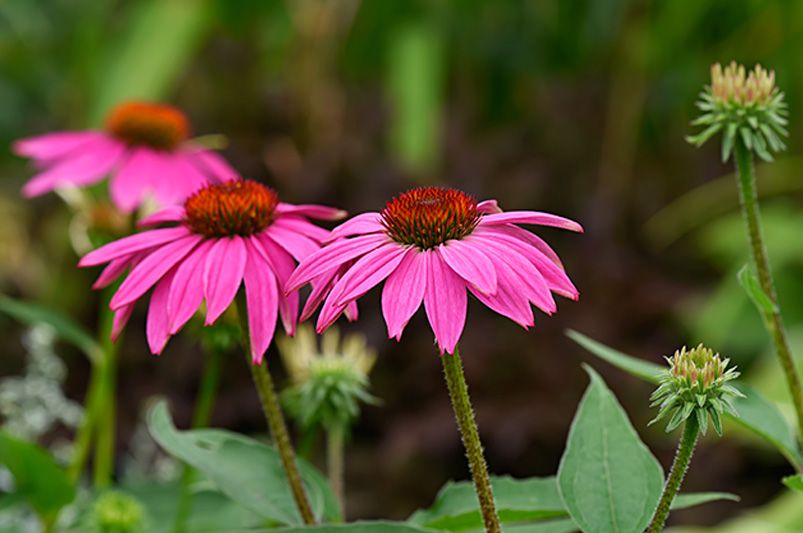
(568, 106)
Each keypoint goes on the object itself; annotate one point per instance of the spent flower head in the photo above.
(696, 384)
(328, 382)
(746, 107)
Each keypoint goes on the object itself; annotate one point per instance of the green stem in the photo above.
(772, 319)
(273, 414)
(458, 392)
(200, 418)
(106, 405)
(679, 467)
(335, 463)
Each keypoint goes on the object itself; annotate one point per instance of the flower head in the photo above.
(432, 245)
(118, 512)
(144, 148)
(696, 383)
(224, 236)
(328, 382)
(746, 106)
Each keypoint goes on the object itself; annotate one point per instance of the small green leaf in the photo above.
(794, 482)
(64, 327)
(608, 479)
(727, 141)
(38, 480)
(690, 499)
(356, 527)
(645, 370)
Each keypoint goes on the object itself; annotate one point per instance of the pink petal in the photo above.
(321, 286)
(157, 328)
(370, 270)
(151, 269)
(296, 244)
(319, 212)
(282, 266)
(488, 207)
(130, 184)
(55, 145)
(403, 292)
(352, 312)
(531, 217)
(530, 238)
(262, 298)
(85, 167)
(445, 302)
(187, 289)
(132, 244)
(470, 263)
(173, 213)
(302, 226)
(358, 225)
(223, 273)
(509, 300)
(214, 166)
(331, 257)
(176, 179)
(113, 271)
(121, 317)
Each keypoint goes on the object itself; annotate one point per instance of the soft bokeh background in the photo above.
(574, 107)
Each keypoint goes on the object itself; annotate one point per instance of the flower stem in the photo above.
(679, 467)
(458, 392)
(273, 414)
(772, 319)
(335, 463)
(203, 411)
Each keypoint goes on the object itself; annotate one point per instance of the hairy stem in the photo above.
(335, 463)
(273, 414)
(679, 467)
(772, 319)
(458, 392)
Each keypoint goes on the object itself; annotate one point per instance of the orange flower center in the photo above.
(157, 126)
(240, 207)
(429, 216)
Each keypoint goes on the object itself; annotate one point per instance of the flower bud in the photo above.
(117, 512)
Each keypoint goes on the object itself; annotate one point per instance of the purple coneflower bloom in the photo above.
(144, 148)
(223, 236)
(433, 244)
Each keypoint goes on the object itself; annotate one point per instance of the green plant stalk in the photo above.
(678, 471)
(335, 463)
(773, 320)
(106, 425)
(464, 414)
(275, 418)
(204, 403)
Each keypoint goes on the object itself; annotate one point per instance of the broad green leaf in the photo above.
(37, 478)
(750, 284)
(608, 479)
(756, 414)
(794, 482)
(64, 327)
(244, 469)
(691, 499)
(456, 507)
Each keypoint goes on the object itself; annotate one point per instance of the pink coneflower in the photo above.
(226, 234)
(145, 149)
(433, 244)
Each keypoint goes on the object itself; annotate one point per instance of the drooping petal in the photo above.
(178, 178)
(130, 184)
(352, 312)
(262, 300)
(321, 286)
(173, 213)
(302, 226)
(488, 207)
(331, 257)
(403, 292)
(370, 270)
(113, 271)
(151, 269)
(531, 238)
(357, 225)
(121, 317)
(132, 244)
(320, 212)
(531, 217)
(211, 164)
(187, 289)
(282, 265)
(296, 244)
(445, 301)
(55, 145)
(509, 300)
(157, 328)
(470, 263)
(223, 273)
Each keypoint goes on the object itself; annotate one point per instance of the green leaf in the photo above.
(794, 482)
(64, 327)
(691, 499)
(756, 414)
(244, 469)
(38, 480)
(608, 479)
(751, 286)
(727, 141)
(526, 500)
(356, 527)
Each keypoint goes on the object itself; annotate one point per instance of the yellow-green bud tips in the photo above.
(117, 512)
(746, 106)
(695, 384)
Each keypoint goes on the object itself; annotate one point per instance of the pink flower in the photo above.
(432, 244)
(224, 235)
(143, 147)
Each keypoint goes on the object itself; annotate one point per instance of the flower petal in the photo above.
(445, 302)
(157, 328)
(55, 145)
(282, 265)
(510, 299)
(134, 243)
(130, 184)
(357, 225)
(370, 270)
(470, 263)
(403, 292)
(320, 212)
(488, 207)
(113, 270)
(223, 273)
(302, 226)
(213, 165)
(173, 213)
(121, 317)
(187, 289)
(531, 217)
(298, 245)
(262, 300)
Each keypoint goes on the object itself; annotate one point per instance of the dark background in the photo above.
(574, 107)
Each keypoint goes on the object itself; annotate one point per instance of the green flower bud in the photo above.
(117, 512)
(745, 107)
(696, 384)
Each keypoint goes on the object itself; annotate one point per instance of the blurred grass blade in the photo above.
(159, 41)
(64, 327)
(750, 284)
